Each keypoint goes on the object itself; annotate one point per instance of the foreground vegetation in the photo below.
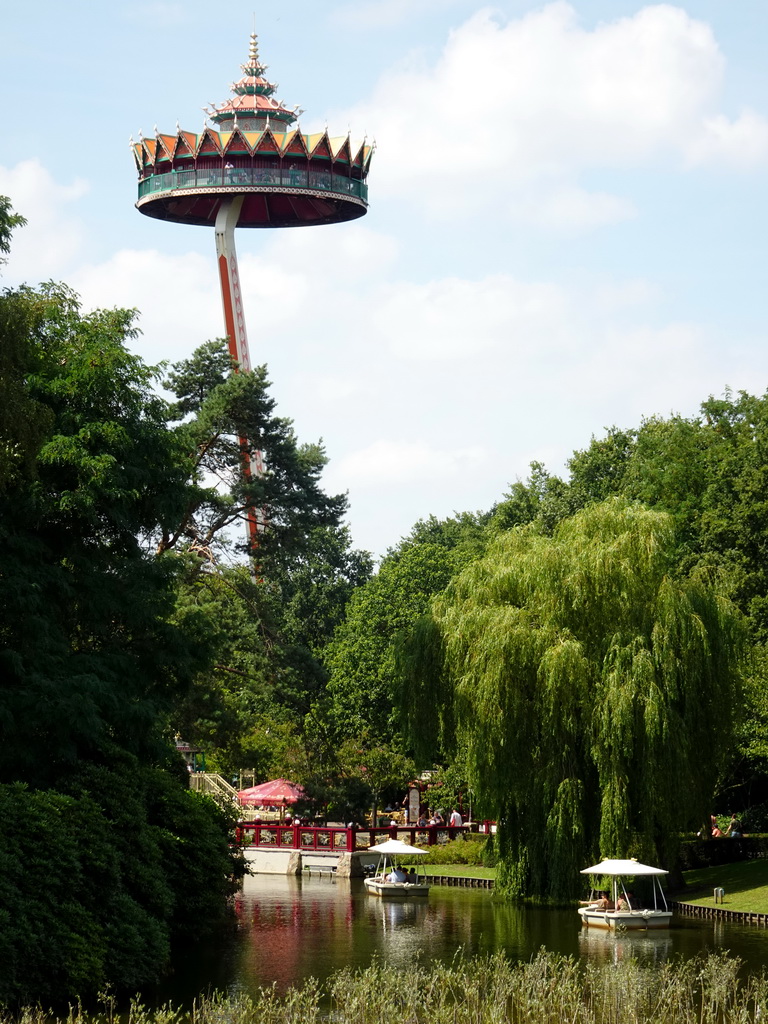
(548, 990)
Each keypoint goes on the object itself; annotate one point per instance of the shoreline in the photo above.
(721, 913)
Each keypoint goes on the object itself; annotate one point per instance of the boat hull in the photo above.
(395, 890)
(624, 920)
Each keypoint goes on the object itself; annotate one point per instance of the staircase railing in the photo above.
(217, 788)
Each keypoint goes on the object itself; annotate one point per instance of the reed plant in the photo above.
(548, 989)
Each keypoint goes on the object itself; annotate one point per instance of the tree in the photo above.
(600, 471)
(364, 691)
(256, 703)
(710, 472)
(582, 675)
(92, 658)
(8, 222)
(247, 707)
(353, 776)
(23, 420)
(543, 499)
(226, 421)
(100, 880)
(268, 627)
(89, 655)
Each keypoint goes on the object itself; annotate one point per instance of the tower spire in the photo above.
(253, 53)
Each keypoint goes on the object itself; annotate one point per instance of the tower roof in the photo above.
(253, 99)
(254, 150)
(150, 153)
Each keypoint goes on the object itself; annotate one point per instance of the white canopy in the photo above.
(394, 847)
(622, 867)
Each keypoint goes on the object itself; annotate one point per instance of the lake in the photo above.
(290, 929)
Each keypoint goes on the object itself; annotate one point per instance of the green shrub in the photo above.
(96, 883)
(463, 850)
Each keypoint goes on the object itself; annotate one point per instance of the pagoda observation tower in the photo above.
(254, 169)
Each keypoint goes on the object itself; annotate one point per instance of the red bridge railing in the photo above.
(334, 839)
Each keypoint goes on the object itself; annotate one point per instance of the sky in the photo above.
(566, 231)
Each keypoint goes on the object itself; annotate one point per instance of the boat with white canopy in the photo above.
(390, 880)
(624, 910)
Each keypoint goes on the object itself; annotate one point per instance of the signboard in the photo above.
(412, 807)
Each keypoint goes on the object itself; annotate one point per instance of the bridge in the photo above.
(274, 847)
(338, 839)
(291, 849)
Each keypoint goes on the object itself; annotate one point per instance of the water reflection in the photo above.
(291, 929)
(401, 927)
(650, 948)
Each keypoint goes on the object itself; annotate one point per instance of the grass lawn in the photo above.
(460, 870)
(745, 884)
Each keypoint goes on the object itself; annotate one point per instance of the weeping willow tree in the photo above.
(594, 691)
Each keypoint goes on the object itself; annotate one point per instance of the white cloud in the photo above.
(610, 296)
(331, 389)
(739, 143)
(571, 208)
(542, 99)
(632, 361)
(53, 237)
(410, 353)
(453, 318)
(343, 252)
(404, 462)
(177, 297)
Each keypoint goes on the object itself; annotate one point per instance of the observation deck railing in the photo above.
(233, 178)
(335, 839)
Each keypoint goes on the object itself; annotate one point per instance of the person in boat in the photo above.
(397, 875)
(413, 878)
(600, 902)
(622, 904)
